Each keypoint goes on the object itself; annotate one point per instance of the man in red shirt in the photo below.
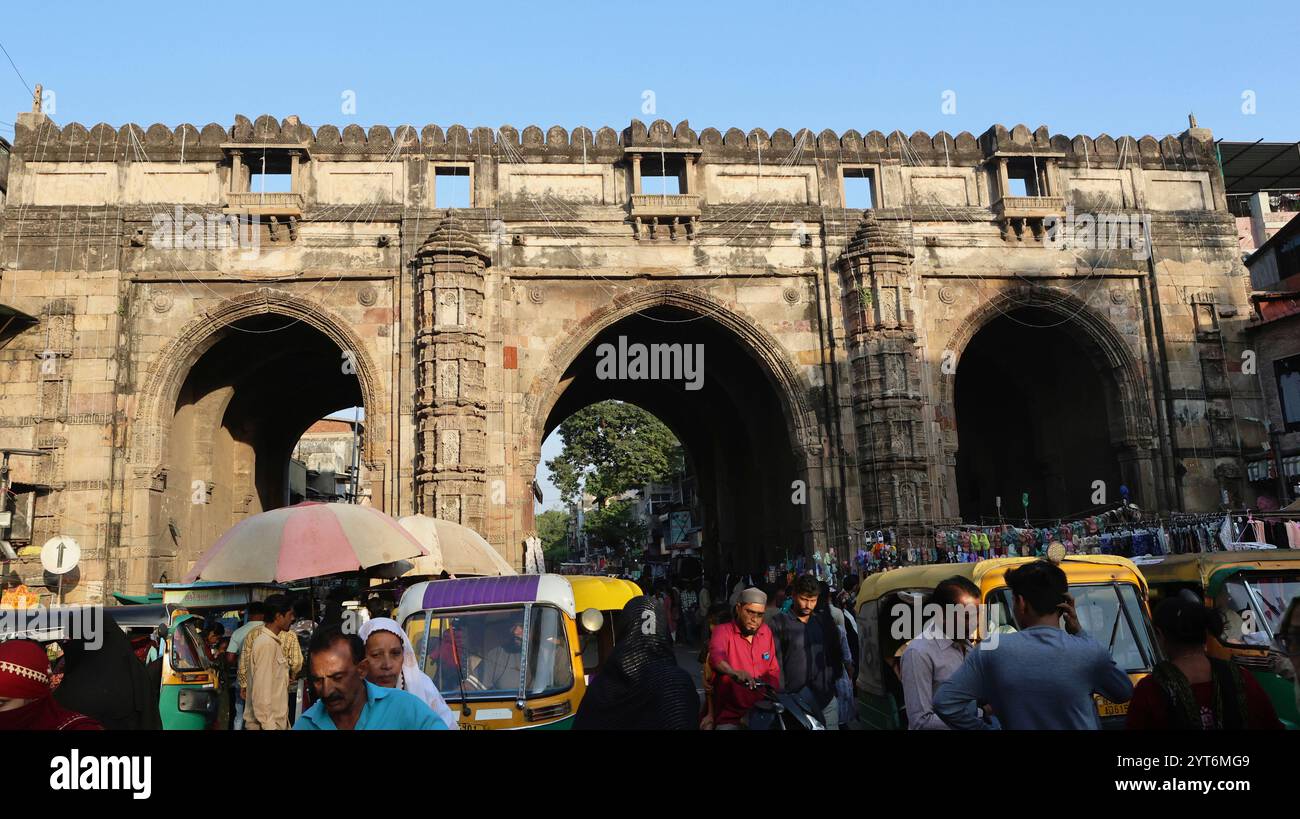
(740, 652)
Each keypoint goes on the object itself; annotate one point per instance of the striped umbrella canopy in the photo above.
(305, 540)
(456, 549)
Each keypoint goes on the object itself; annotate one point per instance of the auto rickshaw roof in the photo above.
(214, 584)
(925, 578)
(1199, 567)
(603, 593)
(146, 616)
(137, 599)
(473, 592)
(67, 622)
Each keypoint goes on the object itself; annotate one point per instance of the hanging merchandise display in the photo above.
(1123, 531)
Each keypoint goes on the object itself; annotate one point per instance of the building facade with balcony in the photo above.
(898, 365)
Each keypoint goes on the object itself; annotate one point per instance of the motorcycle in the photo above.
(783, 711)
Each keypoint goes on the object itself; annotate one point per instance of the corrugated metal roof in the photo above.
(1259, 166)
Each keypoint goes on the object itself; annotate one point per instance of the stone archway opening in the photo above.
(1034, 402)
(661, 512)
(325, 464)
(728, 415)
(242, 408)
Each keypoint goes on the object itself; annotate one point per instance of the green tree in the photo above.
(553, 529)
(611, 447)
(615, 526)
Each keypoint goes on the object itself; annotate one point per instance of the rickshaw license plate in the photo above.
(470, 725)
(1106, 708)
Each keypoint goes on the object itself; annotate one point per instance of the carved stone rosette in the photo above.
(888, 403)
(450, 404)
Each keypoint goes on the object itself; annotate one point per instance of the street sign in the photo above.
(60, 555)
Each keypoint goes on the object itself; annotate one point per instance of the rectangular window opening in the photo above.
(859, 188)
(662, 173)
(451, 187)
(661, 184)
(1025, 177)
(270, 183)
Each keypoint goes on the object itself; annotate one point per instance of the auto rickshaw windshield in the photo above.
(187, 651)
(1252, 605)
(1109, 612)
(482, 652)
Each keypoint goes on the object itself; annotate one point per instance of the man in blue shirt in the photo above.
(349, 703)
(1041, 677)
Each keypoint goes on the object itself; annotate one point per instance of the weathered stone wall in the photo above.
(557, 246)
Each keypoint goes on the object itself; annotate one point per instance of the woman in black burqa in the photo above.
(109, 683)
(640, 687)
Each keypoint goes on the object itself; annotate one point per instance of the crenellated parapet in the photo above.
(39, 138)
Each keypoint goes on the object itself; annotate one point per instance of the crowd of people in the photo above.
(798, 638)
(1043, 675)
(349, 681)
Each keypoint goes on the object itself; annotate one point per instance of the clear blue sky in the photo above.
(1114, 67)
(1118, 67)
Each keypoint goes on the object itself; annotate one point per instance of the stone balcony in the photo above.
(665, 204)
(255, 203)
(1022, 216)
(1029, 207)
(653, 212)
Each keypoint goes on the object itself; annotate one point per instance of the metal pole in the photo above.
(1275, 441)
(8, 552)
(356, 454)
(4, 481)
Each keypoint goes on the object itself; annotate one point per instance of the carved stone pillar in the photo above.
(450, 404)
(888, 403)
(236, 171)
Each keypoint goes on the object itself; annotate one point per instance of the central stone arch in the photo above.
(545, 388)
(778, 391)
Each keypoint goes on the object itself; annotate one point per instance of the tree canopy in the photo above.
(553, 530)
(611, 447)
(615, 526)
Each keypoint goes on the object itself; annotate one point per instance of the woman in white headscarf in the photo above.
(393, 665)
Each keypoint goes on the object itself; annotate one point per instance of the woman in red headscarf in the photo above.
(25, 701)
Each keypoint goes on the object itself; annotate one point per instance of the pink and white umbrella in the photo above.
(306, 540)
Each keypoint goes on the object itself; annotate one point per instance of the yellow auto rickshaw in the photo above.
(1251, 589)
(1110, 598)
(606, 595)
(504, 651)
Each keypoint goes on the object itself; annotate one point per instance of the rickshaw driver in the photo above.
(1239, 616)
(1288, 640)
(502, 664)
(455, 660)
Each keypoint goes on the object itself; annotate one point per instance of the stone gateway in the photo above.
(882, 320)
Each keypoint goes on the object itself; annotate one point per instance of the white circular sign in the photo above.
(60, 555)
